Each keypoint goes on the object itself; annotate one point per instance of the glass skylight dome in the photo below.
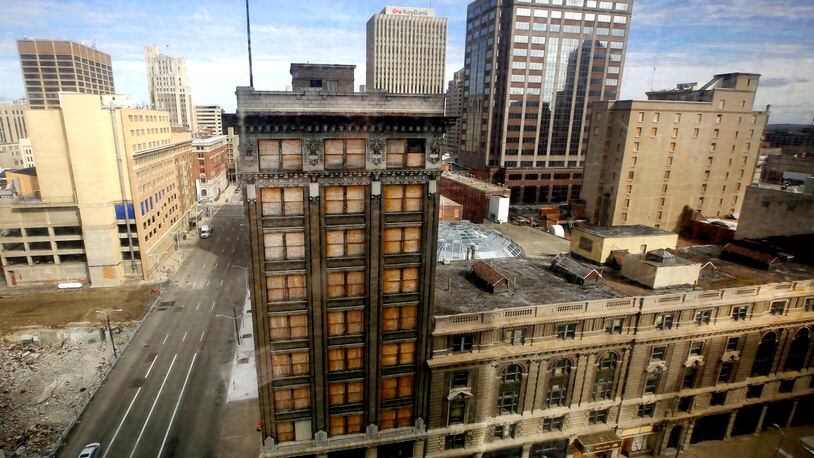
(456, 237)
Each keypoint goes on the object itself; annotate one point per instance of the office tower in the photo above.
(453, 109)
(406, 51)
(532, 69)
(341, 195)
(113, 194)
(322, 77)
(168, 86)
(208, 119)
(12, 121)
(692, 146)
(51, 66)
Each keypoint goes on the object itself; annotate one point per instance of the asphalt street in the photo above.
(166, 395)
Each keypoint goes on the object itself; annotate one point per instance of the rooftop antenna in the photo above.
(249, 36)
(652, 78)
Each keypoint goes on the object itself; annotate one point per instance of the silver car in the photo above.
(91, 450)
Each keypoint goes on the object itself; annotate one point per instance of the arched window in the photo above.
(797, 352)
(764, 357)
(558, 383)
(508, 401)
(605, 376)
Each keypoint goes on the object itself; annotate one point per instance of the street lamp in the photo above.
(109, 330)
(782, 439)
(234, 320)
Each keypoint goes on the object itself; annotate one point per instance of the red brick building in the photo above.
(211, 154)
(472, 193)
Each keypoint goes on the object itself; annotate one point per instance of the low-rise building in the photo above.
(11, 156)
(480, 199)
(449, 210)
(772, 211)
(596, 243)
(24, 182)
(211, 153)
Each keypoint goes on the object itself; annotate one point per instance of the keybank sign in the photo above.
(400, 11)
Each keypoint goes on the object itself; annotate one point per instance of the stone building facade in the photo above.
(641, 373)
(341, 195)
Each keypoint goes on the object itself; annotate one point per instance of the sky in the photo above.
(670, 42)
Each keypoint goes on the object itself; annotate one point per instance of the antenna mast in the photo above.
(249, 35)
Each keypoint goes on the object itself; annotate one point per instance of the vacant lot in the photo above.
(53, 309)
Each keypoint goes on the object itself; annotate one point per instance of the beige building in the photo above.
(406, 51)
(454, 109)
(51, 66)
(168, 86)
(96, 161)
(690, 146)
(207, 119)
(596, 243)
(12, 121)
(11, 156)
(232, 156)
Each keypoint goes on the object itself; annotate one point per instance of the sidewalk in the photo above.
(238, 435)
(749, 446)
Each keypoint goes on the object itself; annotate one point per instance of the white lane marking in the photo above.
(221, 282)
(213, 306)
(203, 267)
(216, 265)
(185, 337)
(207, 282)
(202, 335)
(126, 412)
(175, 410)
(165, 339)
(151, 366)
(196, 307)
(221, 251)
(150, 414)
(228, 266)
(194, 283)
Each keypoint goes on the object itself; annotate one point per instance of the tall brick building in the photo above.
(342, 203)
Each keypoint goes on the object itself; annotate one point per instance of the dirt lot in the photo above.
(43, 387)
(52, 309)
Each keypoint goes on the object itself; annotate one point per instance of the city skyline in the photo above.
(767, 37)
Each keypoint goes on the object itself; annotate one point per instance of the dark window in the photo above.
(777, 307)
(455, 441)
(703, 316)
(463, 343)
(613, 325)
(500, 431)
(717, 399)
(315, 83)
(647, 410)
(460, 379)
(651, 383)
(690, 376)
(658, 353)
(732, 343)
(598, 416)
(809, 304)
(696, 348)
(797, 351)
(754, 391)
(764, 357)
(567, 331)
(509, 397)
(786, 386)
(514, 336)
(664, 321)
(553, 424)
(727, 369)
(685, 403)
(739, 313)
(457, 410)
(609, 362)
(508, 402)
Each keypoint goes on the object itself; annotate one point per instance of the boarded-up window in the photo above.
(401, 240)
(405, 153)
(395, 418)
(284, 245)
(345, 153)
(281, 201)
(345, 392)
(403, 197)
(289, 364)
(344, 359)
(286, 287)
(285, 431)
(288, 327)
(398, 353)
(346, 322)
(346, 284)
(344, 200)
(401, 280)
(396, 387)
(296, 398)
(399, 317)
(280, 154)
(344, 242)
(345, 424)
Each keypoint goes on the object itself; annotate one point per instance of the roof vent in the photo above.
(489, 276)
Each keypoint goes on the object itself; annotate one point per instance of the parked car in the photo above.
(91, 450)
(206, 231)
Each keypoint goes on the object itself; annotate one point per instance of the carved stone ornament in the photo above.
(313, 149)
(250, 149)
(269, 445)
(694, 361)
(435, 149)
(419, 425)
(372, 431)
(377, 146)
(656, 366)
(321, 437)
(730, 356)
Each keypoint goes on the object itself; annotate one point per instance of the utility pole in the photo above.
(237, 332)
(110, 332)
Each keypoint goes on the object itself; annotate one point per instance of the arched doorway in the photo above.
(675, 436)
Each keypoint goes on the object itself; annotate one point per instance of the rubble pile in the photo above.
(43, 388)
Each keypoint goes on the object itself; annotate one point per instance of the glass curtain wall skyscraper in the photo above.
(532, 68)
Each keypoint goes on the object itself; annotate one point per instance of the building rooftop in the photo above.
(30, 171)
(533, 284)
(456, 237)
(473, 182)
(636, 230)
(536, 243)
(208, 141)
(308, 103)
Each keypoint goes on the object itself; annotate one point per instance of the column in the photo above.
(526, 451)
(418, 449)
(791, 414)
(370, 452)
(685, 441)
(731, 424)
(760, 421)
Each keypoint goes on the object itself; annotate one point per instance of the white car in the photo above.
(91, 450)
